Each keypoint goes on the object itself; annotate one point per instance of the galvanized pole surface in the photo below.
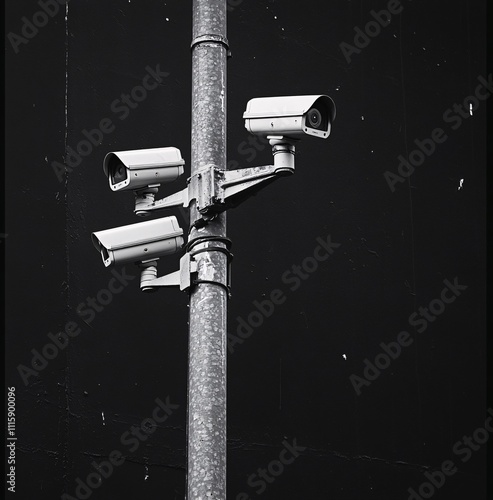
(206, 478)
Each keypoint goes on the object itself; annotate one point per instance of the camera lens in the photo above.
(118, 173)
(314, 118)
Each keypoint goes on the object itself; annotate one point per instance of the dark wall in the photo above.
(299, 370)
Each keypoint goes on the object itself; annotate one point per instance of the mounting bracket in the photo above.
(215, 190)
(149, 282)
(188, 273)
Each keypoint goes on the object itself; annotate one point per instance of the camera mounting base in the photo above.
(283, 150)
(144, 197)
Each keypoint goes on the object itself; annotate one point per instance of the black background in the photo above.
(290, 378)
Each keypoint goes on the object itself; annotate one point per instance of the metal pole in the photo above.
(206, 478)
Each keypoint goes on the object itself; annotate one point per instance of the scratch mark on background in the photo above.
(280, 383)
(403, 85)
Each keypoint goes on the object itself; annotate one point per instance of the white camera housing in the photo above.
(292, 117)
(139, 242)
(137, 169)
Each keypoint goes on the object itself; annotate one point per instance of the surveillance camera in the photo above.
(133, 170)
(290, 116)
(139, 242)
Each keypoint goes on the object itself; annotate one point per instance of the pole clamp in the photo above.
(212, 248)
(211, 39)
(187, 276)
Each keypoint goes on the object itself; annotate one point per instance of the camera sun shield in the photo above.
(137, 169)
(139, 242)
(290, 116)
